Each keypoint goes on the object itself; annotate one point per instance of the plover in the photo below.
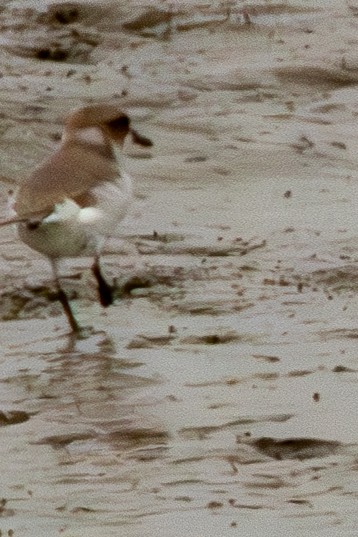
(74, 200)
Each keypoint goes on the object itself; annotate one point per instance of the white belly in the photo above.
(55, 239)
(71, 231)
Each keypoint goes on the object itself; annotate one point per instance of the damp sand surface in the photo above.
(217, 396)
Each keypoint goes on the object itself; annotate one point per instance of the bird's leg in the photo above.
(64, 300)
(105, 290)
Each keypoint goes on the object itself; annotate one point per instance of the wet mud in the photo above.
(217, 396)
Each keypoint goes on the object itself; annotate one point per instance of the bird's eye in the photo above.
(119, 124)
(33, 224)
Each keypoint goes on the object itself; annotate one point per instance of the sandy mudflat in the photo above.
(218, 396)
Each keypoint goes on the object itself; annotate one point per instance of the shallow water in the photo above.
(218, 396)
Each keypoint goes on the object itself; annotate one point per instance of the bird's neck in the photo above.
(91, 135)
(95, 139)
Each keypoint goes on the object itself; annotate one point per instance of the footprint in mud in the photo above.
(129, 437)
(14, 417)
(296, 448)
(50, 36)
(66, 13)
(213, 339)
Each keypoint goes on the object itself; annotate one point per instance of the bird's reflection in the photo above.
(88, 398)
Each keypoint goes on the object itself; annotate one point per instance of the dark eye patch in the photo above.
(33, 224)
(119, 124)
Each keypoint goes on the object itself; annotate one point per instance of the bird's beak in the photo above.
(140, 139)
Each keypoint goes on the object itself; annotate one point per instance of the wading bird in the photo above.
(74, 200)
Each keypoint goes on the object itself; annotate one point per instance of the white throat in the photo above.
(91, 135)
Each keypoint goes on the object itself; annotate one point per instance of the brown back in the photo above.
(70, 172)
(77, 165)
